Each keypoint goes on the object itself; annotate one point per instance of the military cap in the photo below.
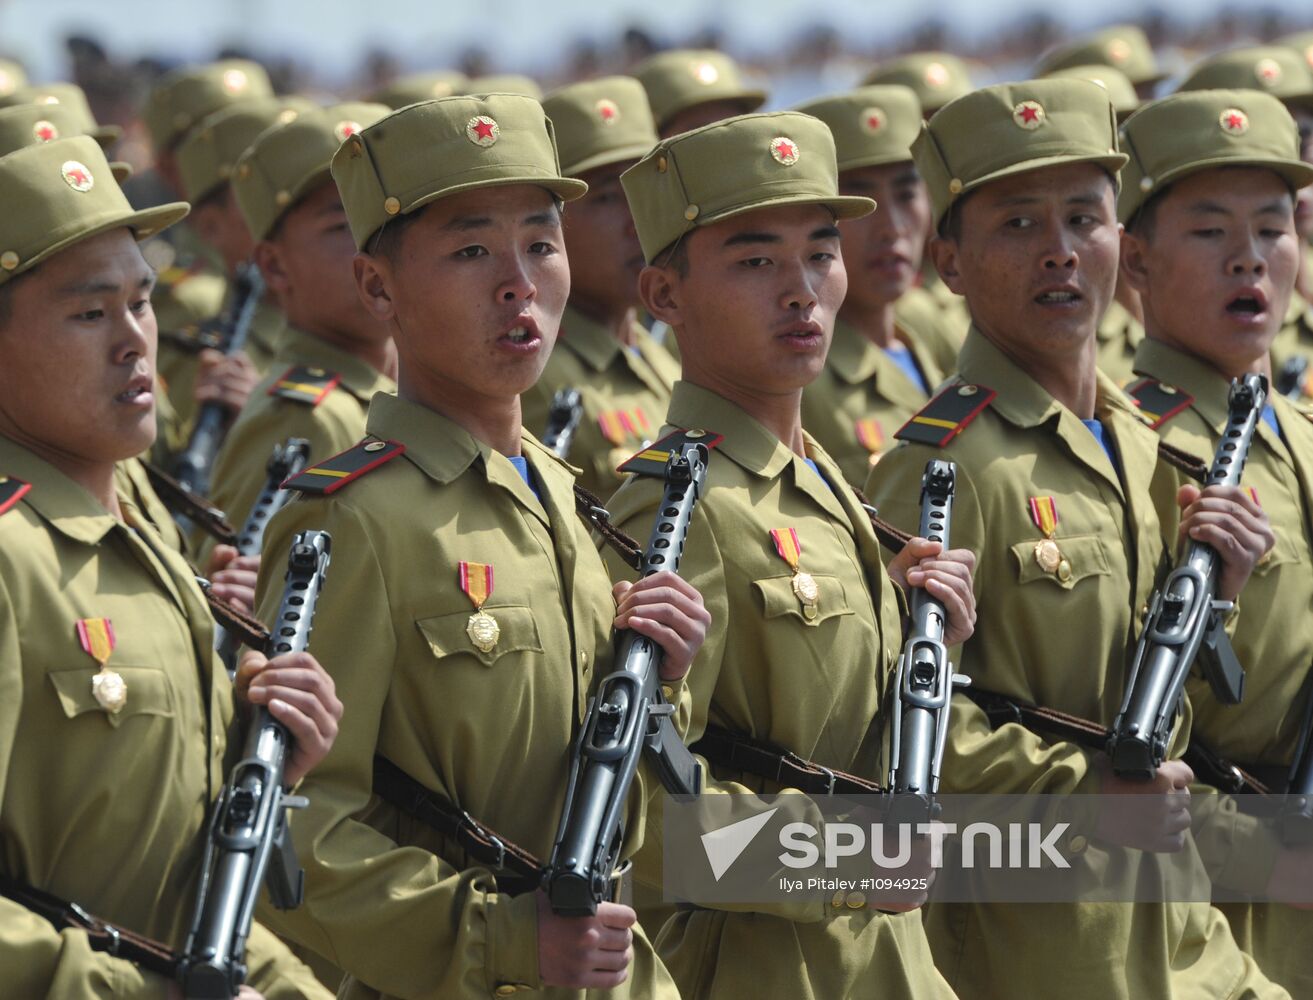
(730, 167)
(872, 126)
(1301, 42)
(1013, 128)
(207, 156)
(600, 122)
(1123, 46)
(418, 87)
(59, 193)
(31, 124)
(437, 148)
(1185, 133)
(1273, 69)
(286, 162)
(1120, 90)
(503, 83)
(70, 96)
(186, 95)
(684, 78)
(12, 76)
(937, 77)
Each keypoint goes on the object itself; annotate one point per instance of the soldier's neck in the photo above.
(492, 420)
(378, 354)
(1068, 375)
(97, 478)
(619, 321)
(779, 414)
(1128, 298)
(874, 322)
(1262, 364)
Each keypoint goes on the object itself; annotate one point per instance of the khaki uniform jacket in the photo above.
(861, 383)
(387, 899)
(1118, 335)
(624, 394)
(331, 426)
(1295, 339)
(1270, 641)
(813, 687)
(1064, 644)
(109, 811)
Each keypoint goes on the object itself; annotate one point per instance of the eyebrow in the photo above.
(740, 239)
(469, 223)
(1213, 208)
(1088, 198)
(101, 287)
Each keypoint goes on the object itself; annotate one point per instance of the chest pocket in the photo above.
(149, 693)
(779, 600)
(1283, 551)
(447, 635)
(1086, 555)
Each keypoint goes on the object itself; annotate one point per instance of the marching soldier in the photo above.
(622, 375)
(474, 612)
(1208, 202)
(738, 223)
(1061, 494)
(116, 716)
(1124, 47)
(688, 88)
(882, 363)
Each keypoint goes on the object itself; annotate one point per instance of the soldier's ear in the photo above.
(659, 290)
(374, 285)
(944, 254)
(270, 261)
(1134, 264)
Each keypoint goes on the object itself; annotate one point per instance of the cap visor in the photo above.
(1296, 173)
(144, 224)
(106, 135)
(843, 206)
(121, 171)
(623, 154)
(565, 188)
(876, 160)
(1110, 162)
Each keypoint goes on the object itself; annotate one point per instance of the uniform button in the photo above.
(856, 900)
(1077, 844)
(1064, 571)
(376, 446)
(967, 390)
(837, 899)
(391, 205)
(667, 691)
(507, 989)
(583, 658)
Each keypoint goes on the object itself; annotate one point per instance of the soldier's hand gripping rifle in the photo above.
(626, 718)
(1185, 618)
(249, 840)
(563, 418)
(192, 466)
(924, 683)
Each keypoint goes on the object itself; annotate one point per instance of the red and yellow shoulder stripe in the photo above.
(332, 474)
(947, 415)
(304, 384)
(651, 461)
(1157, 401)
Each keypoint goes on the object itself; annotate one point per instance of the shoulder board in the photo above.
(303, 384)
(1157, 401)
(651, 461)
(947, 415)
(194, 338)
(332, 474)
(11, 491)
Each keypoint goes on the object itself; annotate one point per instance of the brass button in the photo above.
(694, 434)
(1077, 844)
(392, 206)
(667, 692)
(967, 390)
(856, 900)
(661, 164)
(282, 199)
(1146, 183)
(955, 186)
(376, 446)
(583, 658)
(691, 212)
(1169, 390)
(837, 899)
(1064, 571)
(9, 260)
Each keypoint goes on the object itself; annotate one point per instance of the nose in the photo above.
(517, 285)
(1061, 255)
(799, 291)
(1248, 259)
(135, 335)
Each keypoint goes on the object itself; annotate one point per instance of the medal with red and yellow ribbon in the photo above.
(871, 435)
(108, 686)
(804, 584)
(476, 582)
(1044, 512)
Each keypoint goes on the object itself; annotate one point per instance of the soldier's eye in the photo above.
(472, 251)
(542, 247)
(756, 262)
(91, 315)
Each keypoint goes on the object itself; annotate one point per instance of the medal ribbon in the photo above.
(476, 582)
(1253, 493)
(97, 638)
(870, 434)
(612, 424)
(788, 546)
(1044, 512)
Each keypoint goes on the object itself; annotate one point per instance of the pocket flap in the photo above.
(517, 632)
(149, 692)
(778, 598)
(1085, 555)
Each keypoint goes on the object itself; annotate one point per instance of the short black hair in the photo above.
(1144, 223)
(386, 243)
(674, 257)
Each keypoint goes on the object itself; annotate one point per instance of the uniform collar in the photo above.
(358, 377)
(590, 340)
(853, 358)
(746, 441)
(1209, 387)
(61, 502)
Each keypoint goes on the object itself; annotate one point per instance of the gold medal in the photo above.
(483, 630)
(1064, 571)
(108, 686)
(110, 690)
(1048, 555)
(804, 585)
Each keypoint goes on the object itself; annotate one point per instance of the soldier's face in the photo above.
(474, 293)
(308, 266)
(882, 252)
(698, 115)
(605, 257)
(79, 350)
(1216, 268)
(219, 223)
(1036, 257)
(1304, 203)
(754, 311)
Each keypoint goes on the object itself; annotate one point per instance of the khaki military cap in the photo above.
(684, 78)
(437, 148)
(937, 77)
(1123, 46)
(59, 193)
(600, 122)
(70, 96)
(32, 124)
(1121, 92)
(183, 97)
(1301, 42)
(210, 151)
(872, 126)
(12, 76)
(1273, 69)
(730, 167)
(1013, 128)
(503, 83)
(286, 162)
(1185, 133)
(418, 87)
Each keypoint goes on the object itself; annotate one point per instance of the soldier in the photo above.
(688, 88)
(1061, 494)
(1211, 246)
(1282, 73)
(69, 103)
(116, 713)
(333, 355)
(737, 221)
(418, 87)
(882, 363)
(623, 376)
(476, 610)
(1124, 47)
(12, 76)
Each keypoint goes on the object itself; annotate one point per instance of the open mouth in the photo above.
(1058, 297)
(1245, 305)
(520, 335)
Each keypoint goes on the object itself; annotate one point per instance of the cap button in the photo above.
(9, 260)
(662, 165)
(967, 390)
(243, 171)
(691, 212)
(282, 198)
(955, 186)
(392, 206)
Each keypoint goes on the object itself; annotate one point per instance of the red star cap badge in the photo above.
(77, 176)
(1119, 50)
(1028, 115)
(482, 131)
(608, 111)
(1234, 121)
(1268, 72)
(873, 120)
(234, 81)
(45, 131)
(345, 129)
(936, 75)
(784, 151)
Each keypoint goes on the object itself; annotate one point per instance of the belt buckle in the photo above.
(474, 825)
(621, 883)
